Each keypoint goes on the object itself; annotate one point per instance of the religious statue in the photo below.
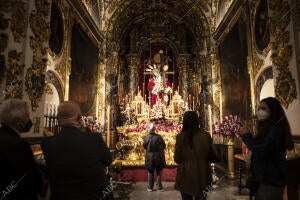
(159, 86)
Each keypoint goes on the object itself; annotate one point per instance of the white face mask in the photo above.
(262, 115)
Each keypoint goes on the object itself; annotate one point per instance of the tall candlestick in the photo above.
(108, 127)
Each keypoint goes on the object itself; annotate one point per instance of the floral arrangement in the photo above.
(230, 126)
(164, 125)
(91, 123)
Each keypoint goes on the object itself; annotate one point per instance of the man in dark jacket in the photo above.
(155, 158)
(76, 160)
(19, 178)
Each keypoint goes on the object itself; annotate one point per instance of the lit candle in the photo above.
(193, 103)
(108, 127)
(221, 107)
(210, 120)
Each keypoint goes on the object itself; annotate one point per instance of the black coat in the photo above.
(19, 178)
(268, 163)
(75, 163)
(155, 156)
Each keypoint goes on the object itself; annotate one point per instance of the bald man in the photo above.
(76, 160)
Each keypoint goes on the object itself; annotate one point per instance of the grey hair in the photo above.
(12, 109)
(152, 129)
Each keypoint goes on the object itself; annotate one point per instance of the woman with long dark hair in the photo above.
(268, 149)
(193, 152)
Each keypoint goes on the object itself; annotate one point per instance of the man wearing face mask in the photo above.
(76, 160)
(19, 178)
(268, 149)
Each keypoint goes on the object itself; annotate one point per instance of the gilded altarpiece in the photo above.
(285, 88)
(35, 76)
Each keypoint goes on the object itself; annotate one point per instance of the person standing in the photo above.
(194, 151)
(76, 160)
(155, 158)
(268, 147)
(19, 177)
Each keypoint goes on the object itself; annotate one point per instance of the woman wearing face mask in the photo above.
(268, 149)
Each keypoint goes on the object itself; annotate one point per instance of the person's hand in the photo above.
(244, 130)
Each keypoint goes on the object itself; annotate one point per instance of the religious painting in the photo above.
(262, 32)
(83, 75)
(57, 29)
(234, 74)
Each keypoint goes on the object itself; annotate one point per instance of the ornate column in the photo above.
(133, 61)
(183, 63)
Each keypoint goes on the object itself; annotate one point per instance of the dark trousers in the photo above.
(266, 192)
(151, 178)
(185, 196)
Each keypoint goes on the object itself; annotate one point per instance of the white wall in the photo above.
(267, 89)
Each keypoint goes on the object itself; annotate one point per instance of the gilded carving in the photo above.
(18, 19)
(88, 5)
(285, 88)
(35, 77)
(14, 73)
(257, 63)
(48, 89)
(60, 68)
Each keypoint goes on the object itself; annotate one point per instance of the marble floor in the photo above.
(224, 190)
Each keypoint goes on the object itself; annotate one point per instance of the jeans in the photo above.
(151, 178)
(185, 196)
(266, 192)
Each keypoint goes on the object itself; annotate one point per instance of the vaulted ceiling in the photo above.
(168, 21)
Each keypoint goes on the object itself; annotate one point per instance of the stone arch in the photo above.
(52, 78)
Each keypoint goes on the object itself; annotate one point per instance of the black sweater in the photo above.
(268, 163)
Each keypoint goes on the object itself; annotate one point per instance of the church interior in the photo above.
(132, 63)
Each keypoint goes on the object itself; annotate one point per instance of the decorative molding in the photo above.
(285, 88)
(257, 63)
(51, 77)
(48, 89)
(83, 17)
(228, 21)
(14, 74)
(18, 19)
(63, 13)
(263, 77)
(35, 76)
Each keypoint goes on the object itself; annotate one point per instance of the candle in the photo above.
(193, 103)
(210, 120)
(220, 106)
(108, 127)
